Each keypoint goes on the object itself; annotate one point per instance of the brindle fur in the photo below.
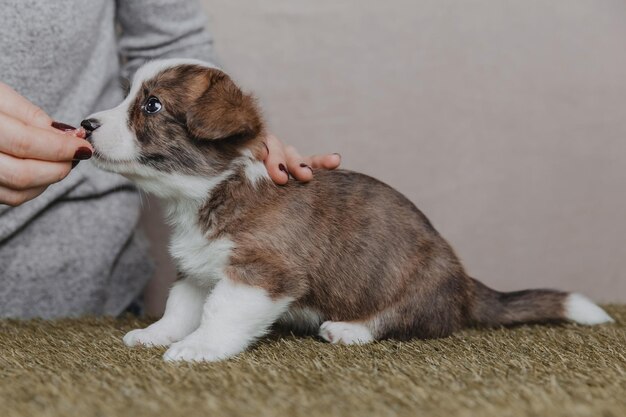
(344, 245)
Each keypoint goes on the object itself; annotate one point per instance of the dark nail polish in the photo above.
(303, 165)
(82, 153)
(74, 163)
(62, 126)
(282, 168)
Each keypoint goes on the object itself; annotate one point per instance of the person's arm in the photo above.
(154, 29)
(34, 152)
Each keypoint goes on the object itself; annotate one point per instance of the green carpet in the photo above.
(80, 367)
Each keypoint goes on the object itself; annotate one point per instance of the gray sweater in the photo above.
(75, 250)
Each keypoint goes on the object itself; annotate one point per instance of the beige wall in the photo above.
(504, 121)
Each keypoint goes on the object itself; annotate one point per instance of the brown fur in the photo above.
(343, 254)
(384, 264)
(184, 137)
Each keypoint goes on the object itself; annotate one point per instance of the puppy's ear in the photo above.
(222, 111)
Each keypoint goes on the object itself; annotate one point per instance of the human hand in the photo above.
(282, 160)
(34, 151)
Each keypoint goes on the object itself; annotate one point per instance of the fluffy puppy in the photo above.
(344, 255)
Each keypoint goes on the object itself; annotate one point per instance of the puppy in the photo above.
(344, 255)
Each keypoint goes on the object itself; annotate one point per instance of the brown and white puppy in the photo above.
(344, 255)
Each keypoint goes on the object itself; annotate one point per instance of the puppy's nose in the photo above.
(90, 124)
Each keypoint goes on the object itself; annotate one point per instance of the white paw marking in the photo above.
(193, 351)
(149, 337)
(345, 333)
(234, 315)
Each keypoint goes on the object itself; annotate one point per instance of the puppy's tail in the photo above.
(494, 308)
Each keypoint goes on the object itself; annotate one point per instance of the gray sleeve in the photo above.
(152, 29)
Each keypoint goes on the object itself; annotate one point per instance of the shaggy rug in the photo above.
(80, 367)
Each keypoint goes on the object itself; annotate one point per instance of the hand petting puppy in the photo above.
(283, 160)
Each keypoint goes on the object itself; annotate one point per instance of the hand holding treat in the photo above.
(34, 151)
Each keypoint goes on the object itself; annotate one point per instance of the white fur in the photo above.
(198, 258)
(345, 333)
(254, 169)
(113, 139)
(175, 187)
(182, 316)
(233, 317)
(196, 255)
(582, 310)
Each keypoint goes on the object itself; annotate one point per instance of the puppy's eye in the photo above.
(152, 105)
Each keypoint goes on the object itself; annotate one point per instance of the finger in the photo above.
(275, 161)
(15, 105)
(264, 151)
(297, 166)
(69, 130)
(330, 161)
(15, 198)
(22, 141)
(23, 174)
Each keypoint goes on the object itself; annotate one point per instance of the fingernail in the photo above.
(82, 153)
(303, 165)
(74, 163)
(266, 148)
(282, 168)
(338, 154)
(62, 126)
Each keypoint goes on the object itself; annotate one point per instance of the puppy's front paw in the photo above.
(193, 351)
(345, 333)
(148, 337)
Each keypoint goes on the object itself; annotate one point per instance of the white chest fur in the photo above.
(196, 256)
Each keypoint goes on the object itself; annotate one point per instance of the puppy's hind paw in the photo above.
(345, 333)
